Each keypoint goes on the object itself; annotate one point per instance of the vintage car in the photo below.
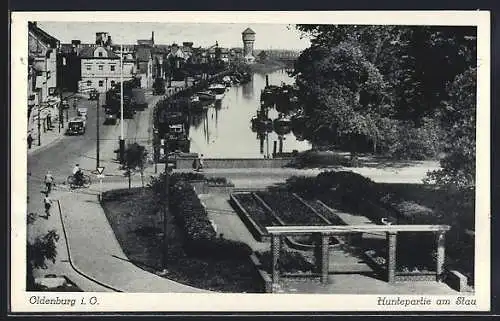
(82, 112)
(76, 126)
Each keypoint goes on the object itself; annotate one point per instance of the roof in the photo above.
(88, 52)
(143, 53)
(248, 31)
(42, 35)
(66, 48)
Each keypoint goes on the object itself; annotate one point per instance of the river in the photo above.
(225, 131)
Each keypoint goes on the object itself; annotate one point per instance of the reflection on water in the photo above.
(224, 131)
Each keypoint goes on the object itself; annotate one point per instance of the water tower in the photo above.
(248, 37)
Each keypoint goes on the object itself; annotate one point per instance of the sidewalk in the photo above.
(50, 137)
(95, 251)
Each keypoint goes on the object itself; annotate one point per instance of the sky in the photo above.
(268, 36)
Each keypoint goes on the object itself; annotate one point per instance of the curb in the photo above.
(44, 147)
(69, 254)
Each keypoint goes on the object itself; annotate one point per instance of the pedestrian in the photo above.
(30, 140)
(200, 163)
(47, 203)
(49, 181)
(49, 121)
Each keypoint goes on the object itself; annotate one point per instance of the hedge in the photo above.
(201, 238)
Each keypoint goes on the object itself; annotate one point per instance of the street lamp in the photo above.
(97, 130)
(122, 139)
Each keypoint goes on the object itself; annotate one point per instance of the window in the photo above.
(112, 82)
(89, 67)
(100, 54)
(101, 67)
(112, 67)
(89, 83)
(101, 83)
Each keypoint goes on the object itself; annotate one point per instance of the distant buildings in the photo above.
(83, 67)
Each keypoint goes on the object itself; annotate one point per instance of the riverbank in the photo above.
(268, 66)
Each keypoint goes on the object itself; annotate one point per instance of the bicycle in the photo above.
(73, 184)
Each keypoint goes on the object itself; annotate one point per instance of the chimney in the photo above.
(153, 37)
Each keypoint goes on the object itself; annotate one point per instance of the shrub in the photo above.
(289, 261)
(219, 248)
(190, 213)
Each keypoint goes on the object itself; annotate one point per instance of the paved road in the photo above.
(61, 156)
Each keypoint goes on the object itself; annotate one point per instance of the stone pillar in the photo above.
(391, 256)
(325, 258)
(440, 243)
(275, 252)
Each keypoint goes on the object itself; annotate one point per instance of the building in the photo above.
(42, 78)
(144, 65)
(248, 37)
(42, 51)
(100, 68)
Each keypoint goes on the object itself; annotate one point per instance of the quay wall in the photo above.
(182, 163)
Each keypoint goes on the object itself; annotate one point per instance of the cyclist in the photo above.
(49, 181)
(78, 175)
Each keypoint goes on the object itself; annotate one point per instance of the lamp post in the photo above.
(97, 130)
(122, 139)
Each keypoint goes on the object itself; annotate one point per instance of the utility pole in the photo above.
(97, 130)
(166, 202)
(122, 139)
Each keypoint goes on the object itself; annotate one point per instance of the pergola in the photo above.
(325, 232)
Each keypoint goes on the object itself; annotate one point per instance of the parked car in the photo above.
(110, 118)
(82, 112)
(93, 94)
(76, 126)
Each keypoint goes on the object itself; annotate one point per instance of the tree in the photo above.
(366, 83)
(262, 56)
(458, 167)
(38, 252)
(135, 157)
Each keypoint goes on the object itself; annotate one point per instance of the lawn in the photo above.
(136, 220)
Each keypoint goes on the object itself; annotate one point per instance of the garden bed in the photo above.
(137, 223)
(290, 209)
(253, 215)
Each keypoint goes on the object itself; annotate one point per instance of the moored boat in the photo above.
(205, 95)
(219, 90)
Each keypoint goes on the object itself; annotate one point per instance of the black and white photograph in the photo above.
(216, 161)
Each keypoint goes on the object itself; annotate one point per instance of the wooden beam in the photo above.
(335, 229)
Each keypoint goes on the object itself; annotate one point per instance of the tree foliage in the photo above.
(458, 167)
(38, 252)
(381, 87)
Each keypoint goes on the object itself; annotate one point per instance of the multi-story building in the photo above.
(42, 76)
(100, 68)
(42, 51)
(144, 62)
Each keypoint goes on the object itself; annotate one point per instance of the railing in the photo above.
(324, 232)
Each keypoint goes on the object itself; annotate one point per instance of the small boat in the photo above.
(219, 90)
(205, 95)
(194, 99)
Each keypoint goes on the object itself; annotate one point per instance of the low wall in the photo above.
(182, 163)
